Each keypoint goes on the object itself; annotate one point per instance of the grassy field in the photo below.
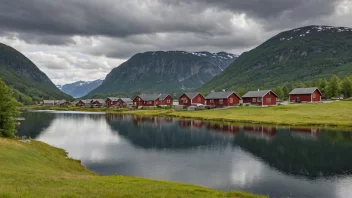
(38, 170)
(332, 114)
(335, 114)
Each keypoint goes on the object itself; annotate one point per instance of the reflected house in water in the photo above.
(138, 120)
(260, 132)
(227, 128)
(305, 133)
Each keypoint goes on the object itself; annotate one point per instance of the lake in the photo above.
(269, 160)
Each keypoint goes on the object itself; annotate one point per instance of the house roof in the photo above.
(99, 100)
(309, 90)
(113, 98)
(163, 96)
(48, 101)
(220, 95)
(191, 95)
(253, 94)
(149, 97)
(126, 100)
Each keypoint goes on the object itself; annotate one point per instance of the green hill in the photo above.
(24, 77)
(299, 55)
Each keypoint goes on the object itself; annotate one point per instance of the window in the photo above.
(211, 101)
(150, 102)
(254, 100)
(268, 100)
(185, 100)
(231, 100)
(259, 99)
(221, 101)
(168, 101)
(314, 95)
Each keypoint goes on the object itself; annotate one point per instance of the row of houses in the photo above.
(224, 98)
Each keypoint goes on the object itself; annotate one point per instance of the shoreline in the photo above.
(53, 169)
(333, 115)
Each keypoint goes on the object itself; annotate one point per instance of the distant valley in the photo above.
(80, 88)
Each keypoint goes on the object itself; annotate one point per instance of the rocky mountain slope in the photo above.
(25, 78)
(160, 71)
(80, 88)
(302, 54)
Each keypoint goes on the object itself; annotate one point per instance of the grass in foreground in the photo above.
(39, 170)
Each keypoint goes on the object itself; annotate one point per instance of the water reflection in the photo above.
(280, 162)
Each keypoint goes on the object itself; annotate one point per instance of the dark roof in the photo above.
(126, 99)
(149, 97)
(309, 90)
(98, 100)
(163, 96)
(253, 94)
(113, 98)
(220, 95)
(191, 95)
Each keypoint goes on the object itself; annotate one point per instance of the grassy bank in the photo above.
(38, 170)
(335, 114)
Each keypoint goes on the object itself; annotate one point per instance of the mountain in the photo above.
(299, 55)
(169, 71)
(80, 88)
(24, 77)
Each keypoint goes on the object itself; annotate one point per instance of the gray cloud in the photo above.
(90, 36)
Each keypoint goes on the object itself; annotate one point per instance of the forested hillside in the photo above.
(297, 56)
(25, 78)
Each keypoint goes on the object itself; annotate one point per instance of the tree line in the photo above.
(8, 111)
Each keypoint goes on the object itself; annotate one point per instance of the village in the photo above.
(196, 101)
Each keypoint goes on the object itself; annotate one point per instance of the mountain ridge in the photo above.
(29, 83)
(164, 71)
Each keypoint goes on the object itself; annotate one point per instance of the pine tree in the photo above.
(279, 92)
(8, 111)
(334, 87)
(285, 92)
(323, 83)
(347, 87)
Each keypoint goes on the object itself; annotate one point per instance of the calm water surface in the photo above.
(280, 162)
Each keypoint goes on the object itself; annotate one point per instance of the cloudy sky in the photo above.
(74, 40)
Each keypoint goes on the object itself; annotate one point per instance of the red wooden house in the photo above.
(98, 102)
(82, 103)
(311, 94)
(165, 99)
(262, 98)
(111, 101)
(122, 102)
(189, 99)
(146, 100)
(228, 98)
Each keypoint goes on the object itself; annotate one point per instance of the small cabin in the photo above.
(111, 101)
(123, 102)
(98, 102)
(191, 98)
(228, 98)
(146, 100)
(311, 94)
(261, 98)
(166, 99)
(82, 103)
